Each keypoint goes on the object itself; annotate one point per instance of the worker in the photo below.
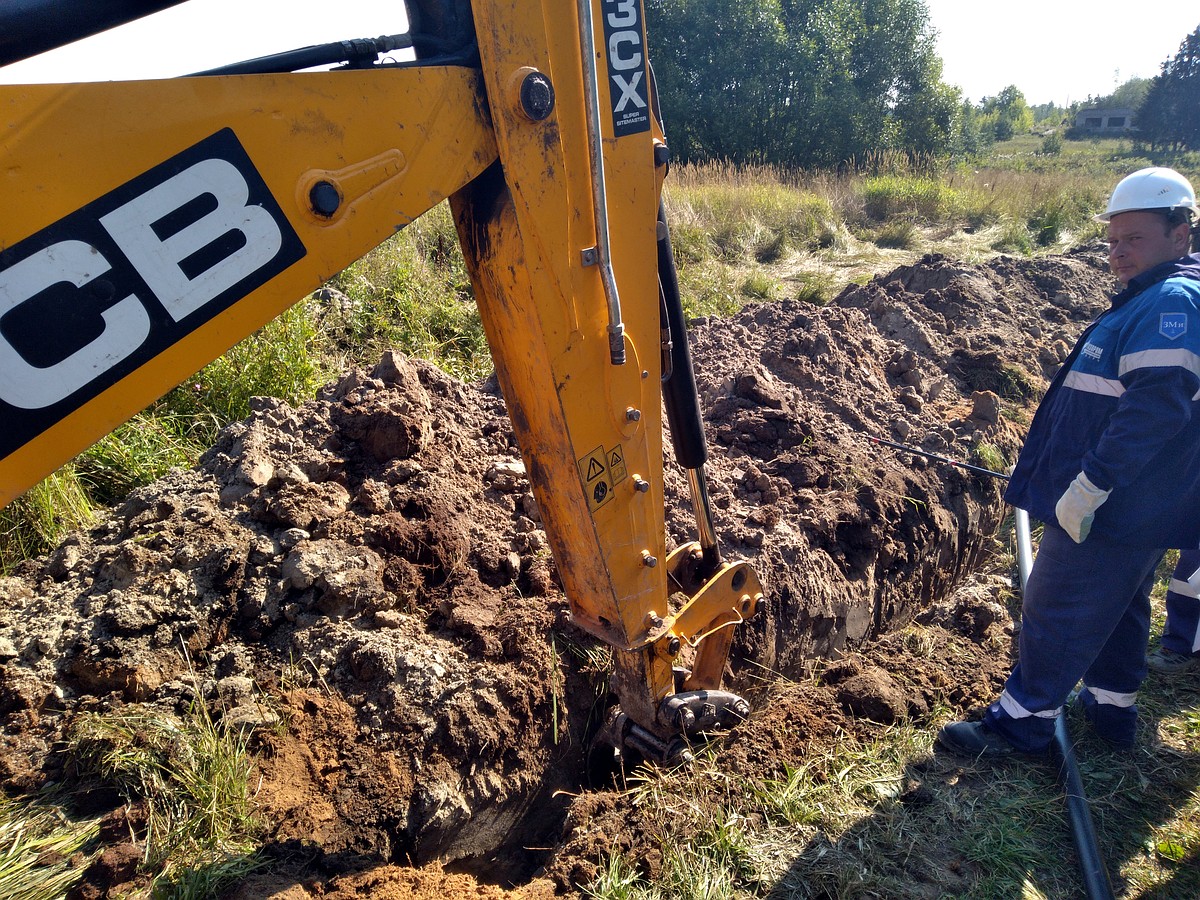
(1111, 466)
(1179, 648)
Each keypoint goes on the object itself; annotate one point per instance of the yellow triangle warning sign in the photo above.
(598, 480)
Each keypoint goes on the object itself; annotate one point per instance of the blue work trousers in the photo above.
(1085, 615)
(1182, 631)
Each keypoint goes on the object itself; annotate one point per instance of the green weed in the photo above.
(38, 842)
(989, 457)
(898, 235)
(929, 199)
(815, 289)
(758, 285)
(411, 294)
(618, 880)
(42, 516)
(193, 777)
(1014, 237)
(139, 451)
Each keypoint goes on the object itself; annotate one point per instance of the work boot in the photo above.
(974, 739)
(1168, 662)
(1115, 726)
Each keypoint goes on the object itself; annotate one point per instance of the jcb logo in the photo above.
(626, 66)
(93, 296)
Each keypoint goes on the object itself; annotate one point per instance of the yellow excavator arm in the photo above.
(152, 225)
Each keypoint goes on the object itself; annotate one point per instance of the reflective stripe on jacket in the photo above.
(1125, 409)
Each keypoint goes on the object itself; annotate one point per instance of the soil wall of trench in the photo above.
(364, 580)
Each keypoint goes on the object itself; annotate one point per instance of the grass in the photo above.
(39, 518)
(876, 818)
(192, 777)
(879, 815)
(38, 841)
(189, 776)
(989, 457)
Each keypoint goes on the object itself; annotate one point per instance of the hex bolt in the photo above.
(649, 561)
(652, 620)
(684, 718)
(632, 414)
(640, 484)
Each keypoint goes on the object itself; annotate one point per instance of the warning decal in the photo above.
(597, 479)
(616, 464)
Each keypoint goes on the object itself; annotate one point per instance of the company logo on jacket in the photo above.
(1172, 325)
(1091, 351)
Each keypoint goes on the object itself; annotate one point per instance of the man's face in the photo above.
(1139, 241)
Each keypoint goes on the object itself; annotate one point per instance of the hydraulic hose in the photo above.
(358, 53)
(680, 397)
(1083, 828)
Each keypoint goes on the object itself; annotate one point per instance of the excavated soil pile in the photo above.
(364, 582)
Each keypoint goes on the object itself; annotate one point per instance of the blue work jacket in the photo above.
(1125, 409)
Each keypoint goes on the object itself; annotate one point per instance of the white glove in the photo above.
(1076, 509)
(1194, 580)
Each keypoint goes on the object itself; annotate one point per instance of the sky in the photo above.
(202, 34)
(1057, 51)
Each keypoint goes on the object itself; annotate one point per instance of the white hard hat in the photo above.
(1153, 188)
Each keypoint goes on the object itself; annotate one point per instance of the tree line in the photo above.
(1169, 116)
(824, 83)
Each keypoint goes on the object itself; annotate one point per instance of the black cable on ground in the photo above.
(978, 470)
(1083, 828)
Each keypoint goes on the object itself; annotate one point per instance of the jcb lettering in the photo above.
(160, 261)
(91, 298)
(125, 325)
(626, 66)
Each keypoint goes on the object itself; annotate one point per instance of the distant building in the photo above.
(1105, 121)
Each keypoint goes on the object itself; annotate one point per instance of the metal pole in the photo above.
(616, 327)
